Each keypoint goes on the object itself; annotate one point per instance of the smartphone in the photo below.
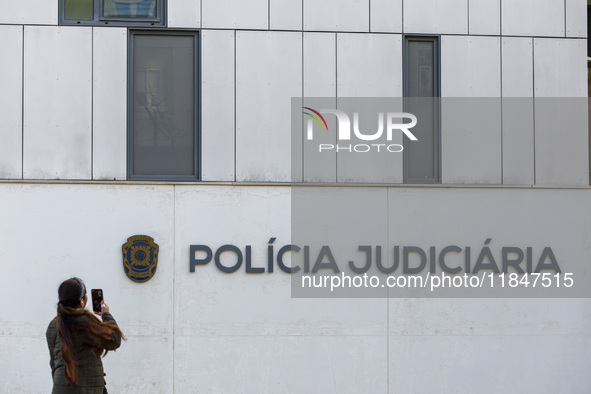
(97, 299)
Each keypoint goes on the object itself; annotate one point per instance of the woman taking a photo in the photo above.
(76, 340)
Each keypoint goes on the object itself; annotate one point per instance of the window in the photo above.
(112, 12)
(421, 92)
(163, 116)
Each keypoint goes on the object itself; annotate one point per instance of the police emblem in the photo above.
(140, 258)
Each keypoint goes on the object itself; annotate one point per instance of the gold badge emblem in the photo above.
(140, 258)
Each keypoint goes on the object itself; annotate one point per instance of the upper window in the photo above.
(112, 12)
(421, 91)
(163, 106)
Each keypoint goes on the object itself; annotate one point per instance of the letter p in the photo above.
(195, 261)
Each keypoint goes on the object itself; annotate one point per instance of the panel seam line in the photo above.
(23, 104)
(92, 105)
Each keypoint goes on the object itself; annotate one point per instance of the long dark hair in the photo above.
(73, 319)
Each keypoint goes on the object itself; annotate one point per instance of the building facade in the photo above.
(173, 119)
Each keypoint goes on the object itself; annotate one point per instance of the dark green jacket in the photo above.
(88, 354)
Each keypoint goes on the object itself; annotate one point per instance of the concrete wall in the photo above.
(210, 331)
(65, 87)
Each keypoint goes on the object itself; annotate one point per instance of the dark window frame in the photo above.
(436, 40)
(197, 110)
(98, 20)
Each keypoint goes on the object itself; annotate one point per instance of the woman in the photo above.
(76, 340)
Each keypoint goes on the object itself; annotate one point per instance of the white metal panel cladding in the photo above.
(436, 16)
(265, 84)
(485, 17)
(235, 14)
(471, 146)
(109, 103)
(518, 141)
(518, 111)
(286, 14)
(470, 66)
(561, 147)
(560, 67)
(533, 17)
(369, 65)
(576, 18)
(471, 141)
(336, 15)
(320, 81)
(562, 137)
(29, 12)
(518, 67)
(320, 65)
(217, 105)
(184, 13)
(57, 102)
(11, 95)
(386, 16)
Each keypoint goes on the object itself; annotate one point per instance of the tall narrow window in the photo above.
(421, 91)
(163, 116)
